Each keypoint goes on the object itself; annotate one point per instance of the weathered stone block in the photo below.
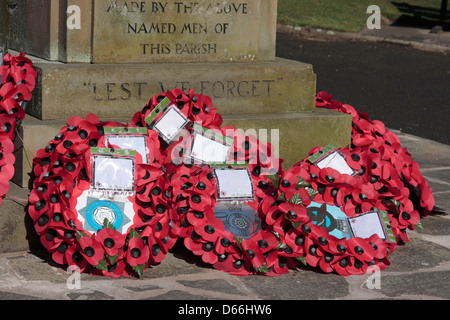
(39, 28)
(33, 135)
(173, 31)
(294, 134)
(119, 90)
(298, 132)
(105, 31)
(13, 226)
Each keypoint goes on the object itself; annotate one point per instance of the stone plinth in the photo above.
(128, 51)
(106, 31)
(119, 90)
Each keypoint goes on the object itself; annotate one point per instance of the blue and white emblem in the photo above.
(93, 211)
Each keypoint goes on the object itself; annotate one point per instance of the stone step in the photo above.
(297, 133)
(16, 230)
(118, 90)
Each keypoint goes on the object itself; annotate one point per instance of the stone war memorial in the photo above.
(135, 125)
(123, 52)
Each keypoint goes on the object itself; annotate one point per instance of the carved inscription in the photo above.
(152, 29)
(141, 90)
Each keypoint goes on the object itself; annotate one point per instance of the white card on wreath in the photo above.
(112, 173)
(132, 142)
(93, 209)
(170, 124)
(208, 150)
(367, 224)
(335, 161)
(234, 184)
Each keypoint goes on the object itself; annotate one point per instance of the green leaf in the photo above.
(312, 193)
(419, 225)
(139, 269)
(296, 199)
(302, 259)
(112, 259)
(102, 265)
(282, 197)
(134, 234)
(281, 245)
(107, 224)
(239, 240)
(262, 269)
(294, 224)
(396, 204)
(302, 183)
(81, 234)
(275, 178)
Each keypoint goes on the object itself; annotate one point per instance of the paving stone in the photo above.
(142, 288)
(435, 225)
(16, 296)
(298, 285)
(179, 295)
(217, 285)
(427, 284)
(89, 295)
(177, 261)
(438, 174)
(32, 268)
(442, 200)
(417, 254)
(436, 155)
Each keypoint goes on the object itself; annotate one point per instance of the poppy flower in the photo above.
(295, 212)
(114, 270)
(137, 252)
(111, 240)
(158, 249)
(91, 250)
(255, 247)
(75, 259)
(210, 229)
(200, 247)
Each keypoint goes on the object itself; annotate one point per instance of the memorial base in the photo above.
(296, 134)
(119, 90)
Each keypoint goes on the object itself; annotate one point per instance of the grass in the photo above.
(346, 15)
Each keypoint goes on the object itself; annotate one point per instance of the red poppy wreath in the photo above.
(17, 81)
(82, 219)
(231, 235)
(385, 168)
(227, 234)
(348, 216)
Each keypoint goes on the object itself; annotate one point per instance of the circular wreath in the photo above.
(312, 244)
(193, 193)
(62, 173)
(386, 170)
(387, 179)
(18, 79)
